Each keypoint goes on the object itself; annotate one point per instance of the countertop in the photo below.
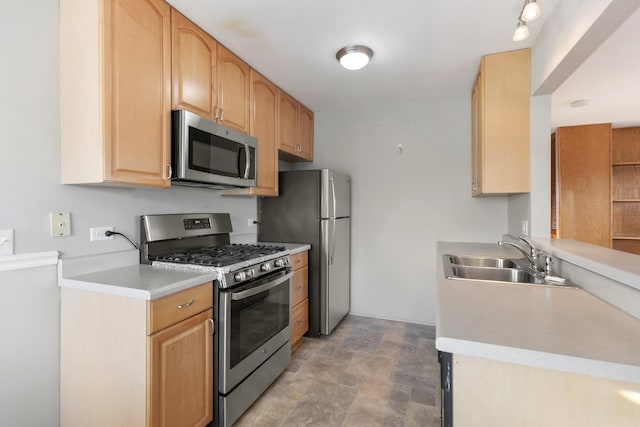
(119, 273)
(293, 248)
(563, 329)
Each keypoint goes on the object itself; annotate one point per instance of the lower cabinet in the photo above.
(299, 299)
(128, 361)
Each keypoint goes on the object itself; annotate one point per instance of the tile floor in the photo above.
(368, 372)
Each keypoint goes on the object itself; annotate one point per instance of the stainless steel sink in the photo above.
(505, 270)
(513, 275)
(469, 261)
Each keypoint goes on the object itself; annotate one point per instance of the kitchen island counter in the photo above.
(562, 329)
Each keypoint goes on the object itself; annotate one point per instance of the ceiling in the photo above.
(609, 78)
(422, 49)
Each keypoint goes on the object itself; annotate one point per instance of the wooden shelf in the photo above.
(626, 164)
(626, 237)
(625, 189)
(626, 200)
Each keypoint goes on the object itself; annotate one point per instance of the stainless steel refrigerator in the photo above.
(314, 206)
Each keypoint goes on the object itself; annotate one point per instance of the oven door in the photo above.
(254, 324)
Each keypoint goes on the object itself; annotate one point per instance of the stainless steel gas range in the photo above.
(251, 301)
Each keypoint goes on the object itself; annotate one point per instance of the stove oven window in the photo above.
(256, 319)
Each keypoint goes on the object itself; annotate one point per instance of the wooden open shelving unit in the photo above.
(625, 189)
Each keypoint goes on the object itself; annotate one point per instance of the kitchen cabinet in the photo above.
(208, 79)
(295, 129)
(299, 298)
(625, 189)
(489, 393)
(194, 67)
(129, 361)
(583, 194)
(500, 125)
(115, 92)
(233, 90)
(263, 125)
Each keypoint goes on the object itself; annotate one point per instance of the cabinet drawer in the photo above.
(299, 320)
(173, 308)
(299, 260)
(299, 285)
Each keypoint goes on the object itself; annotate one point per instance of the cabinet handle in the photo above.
(170, 170)
(213, 328)
(189, 304)
(221, 114)
(299, 287)
(298, 323)
(215, 113)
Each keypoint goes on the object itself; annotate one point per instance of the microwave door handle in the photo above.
(247, 157)
(254, 291)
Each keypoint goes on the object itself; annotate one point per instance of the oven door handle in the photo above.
(254, 291)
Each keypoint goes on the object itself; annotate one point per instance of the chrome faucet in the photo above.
(527, 255)
(531, 255)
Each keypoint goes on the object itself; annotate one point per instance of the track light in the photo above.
(530, 11)
(521, 32)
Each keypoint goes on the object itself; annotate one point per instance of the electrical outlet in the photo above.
(251, 222)
(98, 233)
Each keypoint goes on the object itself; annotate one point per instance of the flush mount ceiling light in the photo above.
(354, 57)
(530, 11)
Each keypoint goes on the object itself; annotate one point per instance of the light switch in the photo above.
(6, 242)
(60, 223)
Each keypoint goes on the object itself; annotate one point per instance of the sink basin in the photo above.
(512, 275)
(503, 270)
(471, 261)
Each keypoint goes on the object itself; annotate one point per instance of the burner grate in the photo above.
(221, 256)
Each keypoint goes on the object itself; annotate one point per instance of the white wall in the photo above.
(402, 204)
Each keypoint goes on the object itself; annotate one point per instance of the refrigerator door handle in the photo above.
(333, 193)
(332, 242)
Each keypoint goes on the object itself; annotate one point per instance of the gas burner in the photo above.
(221, 256)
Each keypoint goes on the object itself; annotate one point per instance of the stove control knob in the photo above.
(240, 276)
(265, 267)
(250, 273)
(279, 263)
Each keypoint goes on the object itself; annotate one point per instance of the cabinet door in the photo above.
(305, 133)
(137, 91)
(584, 183)
(233, 90)
(194, 65)
(476, 136)
(263, 125)
(181, 374)
(287, 123)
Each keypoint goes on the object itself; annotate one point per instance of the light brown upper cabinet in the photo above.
(194, 67)
(233, 90)
(208, 79)
(305, 132)
(295, 126)
(500, 125)
(263, 125)
(584, 183)
(115, 91)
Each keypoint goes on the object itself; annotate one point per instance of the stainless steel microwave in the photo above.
(206, 154)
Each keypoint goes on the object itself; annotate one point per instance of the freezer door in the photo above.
(336, 195)
(335, 276)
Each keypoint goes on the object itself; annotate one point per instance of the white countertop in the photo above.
(119, 273)
(554, 328)
(293, 248)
